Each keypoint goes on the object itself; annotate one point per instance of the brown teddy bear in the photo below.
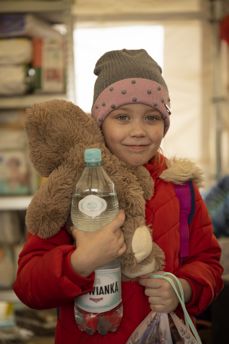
(58, 133)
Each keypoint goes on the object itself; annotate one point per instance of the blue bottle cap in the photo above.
(92, 155)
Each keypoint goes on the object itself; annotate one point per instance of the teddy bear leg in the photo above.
(141, 243)
(154, 262)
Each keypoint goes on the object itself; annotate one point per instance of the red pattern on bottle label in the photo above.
(106, 294)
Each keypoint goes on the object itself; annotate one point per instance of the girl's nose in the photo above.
(137, 130)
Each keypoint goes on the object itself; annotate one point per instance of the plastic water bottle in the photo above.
(95, 204)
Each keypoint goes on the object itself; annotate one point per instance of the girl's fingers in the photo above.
(150, 283)
(122, 250)
(118, 221)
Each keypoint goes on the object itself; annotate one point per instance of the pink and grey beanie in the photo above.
(125, 77)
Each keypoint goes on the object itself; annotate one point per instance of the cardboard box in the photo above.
(16, 176)
(49, 65)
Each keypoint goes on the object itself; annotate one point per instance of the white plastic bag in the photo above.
(163, 328)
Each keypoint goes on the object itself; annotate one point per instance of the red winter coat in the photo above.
(46, 279)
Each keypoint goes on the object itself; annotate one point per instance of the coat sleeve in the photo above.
(45, 278)
(202, 268)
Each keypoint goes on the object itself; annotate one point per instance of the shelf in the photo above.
(27, 100)
(53, 11)
(32, 6)
(14, 202)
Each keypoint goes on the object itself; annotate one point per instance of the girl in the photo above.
(131, 104)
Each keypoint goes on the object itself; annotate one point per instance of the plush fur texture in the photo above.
(58, 133)
(181, 170)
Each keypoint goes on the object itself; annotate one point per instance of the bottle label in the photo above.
(92, 205)
(106, 294)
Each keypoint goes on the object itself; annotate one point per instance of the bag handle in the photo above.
(178, 289)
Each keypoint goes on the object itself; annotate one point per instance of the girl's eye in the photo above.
(122, 117)
(153, 117)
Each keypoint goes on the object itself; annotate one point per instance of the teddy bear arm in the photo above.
(154, 262)
(141, 243)
(145, 180)
(138, 241)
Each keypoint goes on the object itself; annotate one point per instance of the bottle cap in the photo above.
(92, 155)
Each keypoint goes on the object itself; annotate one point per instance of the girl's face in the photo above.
(133, 133)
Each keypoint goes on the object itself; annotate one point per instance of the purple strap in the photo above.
(184, 195)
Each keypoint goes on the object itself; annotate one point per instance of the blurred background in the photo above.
(48, 50)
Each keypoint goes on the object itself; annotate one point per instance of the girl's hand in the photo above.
(161, 295)
(95, 249)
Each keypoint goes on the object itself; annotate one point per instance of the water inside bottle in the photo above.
(84, 222)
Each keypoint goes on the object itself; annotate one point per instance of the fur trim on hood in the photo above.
(181, 170)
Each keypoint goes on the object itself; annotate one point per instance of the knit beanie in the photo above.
(125, 77)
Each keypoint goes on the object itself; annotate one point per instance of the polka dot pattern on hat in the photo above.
(132, 91)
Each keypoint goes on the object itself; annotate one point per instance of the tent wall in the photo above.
(192, 55)
(86, 8)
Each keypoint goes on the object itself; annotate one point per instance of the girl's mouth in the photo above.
(137, 148)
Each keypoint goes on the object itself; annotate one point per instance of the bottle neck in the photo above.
(93, 164)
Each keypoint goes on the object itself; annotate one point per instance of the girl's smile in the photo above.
(133, 132)
(137, 148)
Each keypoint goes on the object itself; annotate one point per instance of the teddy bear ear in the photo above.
(52, 128)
